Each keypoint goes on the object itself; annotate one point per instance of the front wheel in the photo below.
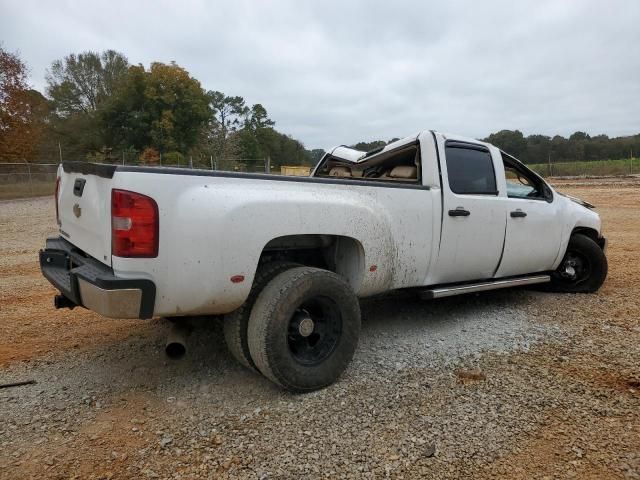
(304, 328)
(583, 268)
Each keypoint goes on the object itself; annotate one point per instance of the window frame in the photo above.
(512, 162)
(470, 146)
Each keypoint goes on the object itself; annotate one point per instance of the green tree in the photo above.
(178, 105)
(511, 141)
(256, 134)
(163, 108)
(23, 111)
(538, 149)
(314, 156)
(78, 87)
(80, 83)
(228, 114)
(125, 116)
(368, 146)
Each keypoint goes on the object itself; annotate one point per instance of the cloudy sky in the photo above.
(339, 72)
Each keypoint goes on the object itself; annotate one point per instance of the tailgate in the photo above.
(84, 207)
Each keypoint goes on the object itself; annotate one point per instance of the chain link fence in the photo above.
(252, 165)
(27, 179)
(32, 179)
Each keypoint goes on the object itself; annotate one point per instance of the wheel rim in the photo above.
(314, 330)
(574, 269)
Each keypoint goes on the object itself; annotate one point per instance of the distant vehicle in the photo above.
(284, 259)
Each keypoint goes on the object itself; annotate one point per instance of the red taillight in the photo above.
(134, 225)
(56, 198)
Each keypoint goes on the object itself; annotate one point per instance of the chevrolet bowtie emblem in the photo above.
(77, 211)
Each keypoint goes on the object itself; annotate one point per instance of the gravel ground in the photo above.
(508, 384)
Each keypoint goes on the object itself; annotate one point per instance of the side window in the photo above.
(470, 170)
(520, 184)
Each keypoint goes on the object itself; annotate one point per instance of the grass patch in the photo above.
(592, 168)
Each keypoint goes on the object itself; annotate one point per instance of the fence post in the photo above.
(267, 164)
(30, 181)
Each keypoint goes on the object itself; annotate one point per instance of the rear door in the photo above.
(473, 217)
(84, 208)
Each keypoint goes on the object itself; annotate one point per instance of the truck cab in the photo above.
(497, 218)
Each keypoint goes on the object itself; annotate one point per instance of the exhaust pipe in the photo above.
(176, 346)
(60, 301)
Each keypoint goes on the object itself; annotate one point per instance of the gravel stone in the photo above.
(506, 384)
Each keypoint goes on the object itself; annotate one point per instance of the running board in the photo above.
(449, 291)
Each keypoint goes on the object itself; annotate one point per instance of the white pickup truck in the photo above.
(284, 259)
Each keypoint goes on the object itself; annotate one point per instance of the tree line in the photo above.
(535, 149)
(99, 107)
(579, 147)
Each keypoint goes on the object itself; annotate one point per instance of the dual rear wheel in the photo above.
(299, 326)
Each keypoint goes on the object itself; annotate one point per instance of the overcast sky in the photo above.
(339, 72)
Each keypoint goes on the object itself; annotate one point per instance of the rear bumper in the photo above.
(93, 285)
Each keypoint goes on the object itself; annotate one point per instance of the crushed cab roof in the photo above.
(355, 156)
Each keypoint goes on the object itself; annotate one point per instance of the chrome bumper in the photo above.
(88, 283)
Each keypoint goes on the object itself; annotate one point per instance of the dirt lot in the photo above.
(509, 384)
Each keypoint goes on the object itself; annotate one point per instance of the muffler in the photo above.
(176, 346)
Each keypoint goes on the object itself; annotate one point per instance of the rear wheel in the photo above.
(235, 323)
(583, 268)
(304, 328)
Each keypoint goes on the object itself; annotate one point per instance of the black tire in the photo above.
(588, 267)
(236, 322)
(304, 329)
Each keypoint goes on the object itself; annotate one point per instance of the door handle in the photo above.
(459, 212)
(518, 214)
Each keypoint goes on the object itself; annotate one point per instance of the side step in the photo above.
(448, 291)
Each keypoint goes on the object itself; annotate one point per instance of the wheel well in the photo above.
(591, 233)
(339, 254)
(586, 231)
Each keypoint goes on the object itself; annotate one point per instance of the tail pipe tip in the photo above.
(176, 346)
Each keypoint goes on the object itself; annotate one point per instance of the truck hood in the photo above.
(578, 201)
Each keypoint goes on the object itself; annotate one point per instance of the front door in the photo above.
(473, 219)
(534, 225)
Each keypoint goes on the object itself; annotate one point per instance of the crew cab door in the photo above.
(534, 222)
(473, 216)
